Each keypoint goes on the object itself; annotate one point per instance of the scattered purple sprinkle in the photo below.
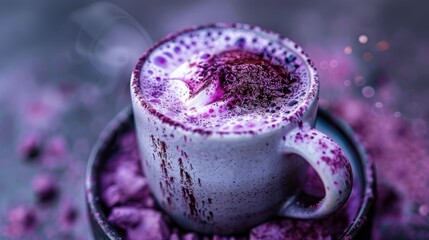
(56, 147)
(45, 188)
(22, 221)
(30, 147)
(69, 215)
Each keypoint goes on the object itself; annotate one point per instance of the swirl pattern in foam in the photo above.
(224, 79)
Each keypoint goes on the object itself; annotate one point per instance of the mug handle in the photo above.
(330, 163)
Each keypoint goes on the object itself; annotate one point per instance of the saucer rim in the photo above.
(99, 221)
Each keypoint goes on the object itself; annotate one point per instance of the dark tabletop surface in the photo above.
(65, 67)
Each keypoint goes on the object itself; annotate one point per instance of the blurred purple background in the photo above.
(65, 67)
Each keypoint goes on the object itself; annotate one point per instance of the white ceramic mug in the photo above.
(225, 183)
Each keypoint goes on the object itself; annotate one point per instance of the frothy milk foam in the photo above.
(224, 79)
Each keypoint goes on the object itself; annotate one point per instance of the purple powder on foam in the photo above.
(235, 78)
(234, 73)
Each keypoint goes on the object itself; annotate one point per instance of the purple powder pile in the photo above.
(131, 208)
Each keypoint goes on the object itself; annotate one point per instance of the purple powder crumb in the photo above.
(55, 152)
(290, 230)
(149, 202)
(56, 147)
(130, 184)
(128, 165)
(45, 188)
(21, 221)
(68, 216)
(30, 147)
(190, 236)
(152, 226)
(174, 236)
(125, 217)
(111, 196)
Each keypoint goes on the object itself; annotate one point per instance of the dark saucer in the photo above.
(363, 170)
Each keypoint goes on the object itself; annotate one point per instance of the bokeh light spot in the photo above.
(348, 50)
(378, 105)
(382, 46)
(324, 65)
(368, 56)
(368, 92)
(333, 63)
(359, 80)
(363, 39)
(397, 114)
(347, 83)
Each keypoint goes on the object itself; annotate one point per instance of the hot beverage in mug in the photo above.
(224, 116)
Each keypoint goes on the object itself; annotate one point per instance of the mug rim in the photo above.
(295, 116)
